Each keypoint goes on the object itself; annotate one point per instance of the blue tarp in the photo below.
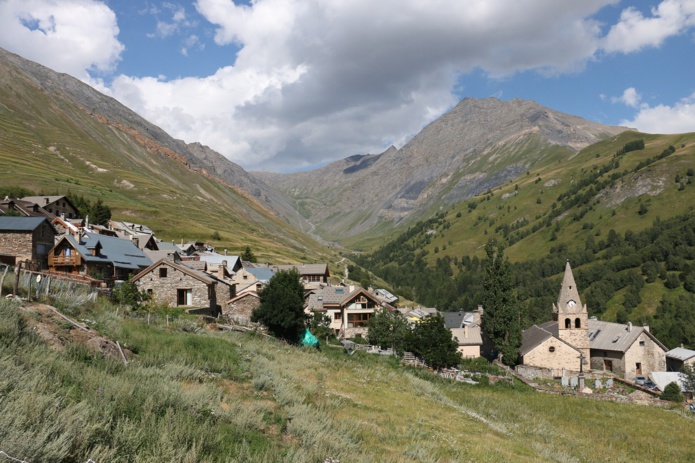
(310, 340)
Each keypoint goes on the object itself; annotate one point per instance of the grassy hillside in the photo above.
(51, 144)
(192, 394)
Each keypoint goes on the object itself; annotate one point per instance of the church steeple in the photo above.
(571, 316)
(568, 299)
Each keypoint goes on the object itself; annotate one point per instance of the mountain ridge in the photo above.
(478, 145)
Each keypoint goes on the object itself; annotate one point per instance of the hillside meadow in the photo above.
(194, 394)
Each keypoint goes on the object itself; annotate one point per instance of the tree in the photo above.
(282, 306)
(501, 324)
(388, 329)
(320, 325)
(126, 293)
(99, 213)
(687, 375)
(672, 392)
(432, 342)
(248, 255)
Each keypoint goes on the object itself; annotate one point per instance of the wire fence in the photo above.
(17, 460)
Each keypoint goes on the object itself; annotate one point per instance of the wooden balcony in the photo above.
(63, 261)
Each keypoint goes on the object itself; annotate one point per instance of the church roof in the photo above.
(568, 291)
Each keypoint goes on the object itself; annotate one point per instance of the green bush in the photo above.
(672, 392)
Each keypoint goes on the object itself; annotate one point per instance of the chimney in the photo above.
(220, 269)
(465, 331)
(45, 201)
(629, 326)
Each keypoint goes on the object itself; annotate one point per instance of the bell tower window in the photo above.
(577, 323)
(568, 323)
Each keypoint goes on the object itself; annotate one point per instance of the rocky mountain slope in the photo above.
(478, 145)
(58, 135)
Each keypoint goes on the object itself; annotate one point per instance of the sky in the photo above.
(290, 85)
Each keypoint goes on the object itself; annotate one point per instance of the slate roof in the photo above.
(681, 354)
(334, 296)
(262, 274)
(305, 269)
(25, 224)
(534, 336)
(196, 264)
(27, 208)
(159, 255)
(217, 259)
(615, 336)
(167, 246)
(453, 320)
(119, 252)
(197, 274)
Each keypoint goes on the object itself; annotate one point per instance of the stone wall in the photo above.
(647, 353)
(599, 358)
(32, 246)
(240, 310)
(554, 355)
(164, 290)
(17, 244)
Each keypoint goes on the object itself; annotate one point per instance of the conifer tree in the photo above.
(501, 320)
(282, 306)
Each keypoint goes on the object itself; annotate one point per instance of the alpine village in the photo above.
(513, 284)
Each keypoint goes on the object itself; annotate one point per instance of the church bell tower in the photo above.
(571, 316)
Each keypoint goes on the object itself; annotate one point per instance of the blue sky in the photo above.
(285, 85)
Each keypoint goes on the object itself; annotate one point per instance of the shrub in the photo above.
(672, 393)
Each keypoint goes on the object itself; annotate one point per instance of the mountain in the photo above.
(58, 134)
(478, 145)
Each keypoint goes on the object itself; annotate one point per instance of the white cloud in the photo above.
(72, 36)
(679, 118)
(634, 31)
(315, 80)
(309, 81)
(630, 97)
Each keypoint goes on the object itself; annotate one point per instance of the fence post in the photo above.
(17, 270)
(2, 280)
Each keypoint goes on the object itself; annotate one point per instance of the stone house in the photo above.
(26, 239)
(573, 341)
(19, 207)
(312, 275)
(348, 308)
(252, 279)
(98, 257)
(177, 285)
(56, 205)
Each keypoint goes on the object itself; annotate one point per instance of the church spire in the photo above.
(568, 300)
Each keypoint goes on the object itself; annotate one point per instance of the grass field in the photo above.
(192, 394)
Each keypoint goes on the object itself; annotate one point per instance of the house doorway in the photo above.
(184, 297)
(608, 365)
(638, 368)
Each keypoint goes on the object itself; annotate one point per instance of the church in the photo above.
(574, 342)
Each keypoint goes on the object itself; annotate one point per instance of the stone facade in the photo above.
(29, 245)
(641, 358)
(554, 355)
(176, 286)
(239, 309)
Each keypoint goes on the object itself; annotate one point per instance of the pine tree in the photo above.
(501, 322)
(282, 306)
(248, 255)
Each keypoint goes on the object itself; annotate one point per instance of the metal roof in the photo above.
(612, 336)
(8, 224)
(305, 269)
(119, 252)
(681, 354)
(262, 274)
(197, 274)
(664, 378)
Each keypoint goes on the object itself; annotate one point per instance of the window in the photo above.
(641, 343)
(577, 323)
(551, 349)
(568, 323)
(184, 297)
(338, 316)
(356, 320)
(162, 272)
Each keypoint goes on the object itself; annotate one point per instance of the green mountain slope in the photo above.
(622, 217)
(58, 135)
